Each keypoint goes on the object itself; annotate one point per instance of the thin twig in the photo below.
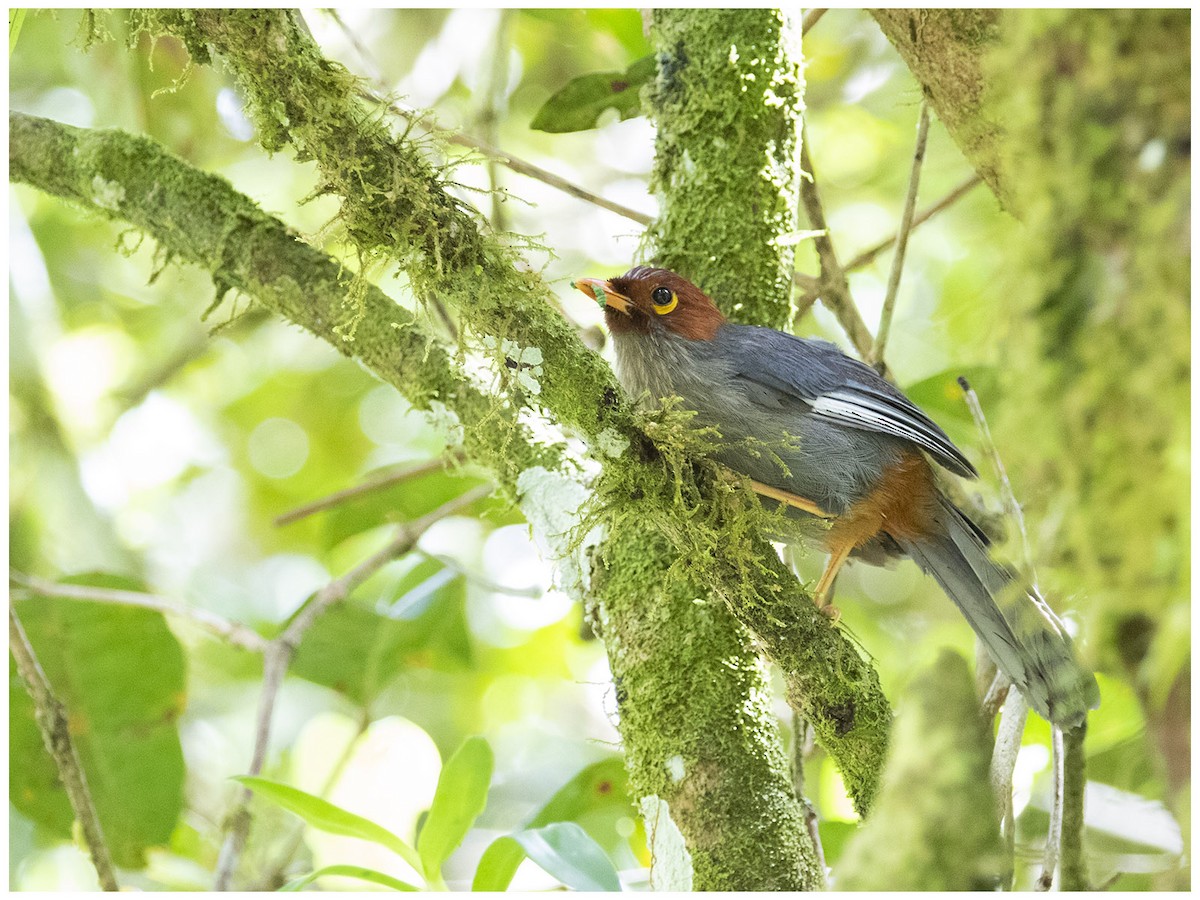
(376, 483)
(811, 285)
(811, 18)
(479, 580)
(999, 687)
(520, 166)
(282, 648)
(1010, 498)
(1054, 837)
(1004, 763)
(516, 164)
(906, 223)
(52, 721)
(275, 872)
(919, 219)
(800, 731)
(1072, 864)
(495, 96)
(186, 352)
(835, 290)
(234, 632)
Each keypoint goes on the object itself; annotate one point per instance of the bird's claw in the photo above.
(826, 608)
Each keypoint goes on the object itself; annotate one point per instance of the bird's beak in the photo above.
(602, 292)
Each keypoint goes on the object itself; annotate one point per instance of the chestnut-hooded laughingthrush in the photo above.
(846, 446)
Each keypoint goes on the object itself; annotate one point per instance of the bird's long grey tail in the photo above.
(1021, 633)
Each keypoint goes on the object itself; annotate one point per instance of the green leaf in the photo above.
(498, 865)
(459, 799)
(563, 849)
(578, 106)
(602, 783)
(597, 799)
(16, 18)
(359, 651)
(350, 872)
(119, 672)
(326, 816)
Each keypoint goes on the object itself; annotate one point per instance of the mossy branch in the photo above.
(201, 219)
(944, 50)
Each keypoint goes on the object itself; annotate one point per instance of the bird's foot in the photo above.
(824, 604)
(831, 612)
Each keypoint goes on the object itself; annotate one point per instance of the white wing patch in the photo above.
(860, 411)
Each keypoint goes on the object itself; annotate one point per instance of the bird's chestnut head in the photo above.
(646, 298)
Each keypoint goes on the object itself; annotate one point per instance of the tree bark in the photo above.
(1080, 122)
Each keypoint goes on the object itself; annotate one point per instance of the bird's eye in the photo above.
(664, 300)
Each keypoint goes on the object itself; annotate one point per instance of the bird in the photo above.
(848, 448)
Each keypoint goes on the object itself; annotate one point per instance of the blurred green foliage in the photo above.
(153, 445)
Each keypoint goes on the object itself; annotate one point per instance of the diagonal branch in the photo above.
(234, 632)
(835, 289)
(378, 482)
(920, 218)
(493, 153)
(282, 648)
(200, 219)
(52, 721)
(812, 285)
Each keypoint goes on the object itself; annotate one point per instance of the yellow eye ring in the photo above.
(664, 300)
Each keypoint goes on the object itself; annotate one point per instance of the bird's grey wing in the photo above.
(778, 369)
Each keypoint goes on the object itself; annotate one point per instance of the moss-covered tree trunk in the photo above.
(702, 744)
(1089, 146)
(1097, 146)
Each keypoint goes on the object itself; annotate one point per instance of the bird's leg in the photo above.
(789, 498)
(821, 595)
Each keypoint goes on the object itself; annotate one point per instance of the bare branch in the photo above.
(921, 218)
(802, 743)
(811, 18)
(52, 721)
(376, 483)
(281, 650)
(1054, 837)
(1004, 762)
(906, 224)
(811, 285)
(494, 154)
(187, 351)
(516, 164)
(1072, 865)
(274, 878)
(234, 632)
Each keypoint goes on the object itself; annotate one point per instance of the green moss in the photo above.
(934, 827)
(714, 761)
(394, 201)
(394, 205)
(727, 103)
(1098, 345)
(711, 527)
